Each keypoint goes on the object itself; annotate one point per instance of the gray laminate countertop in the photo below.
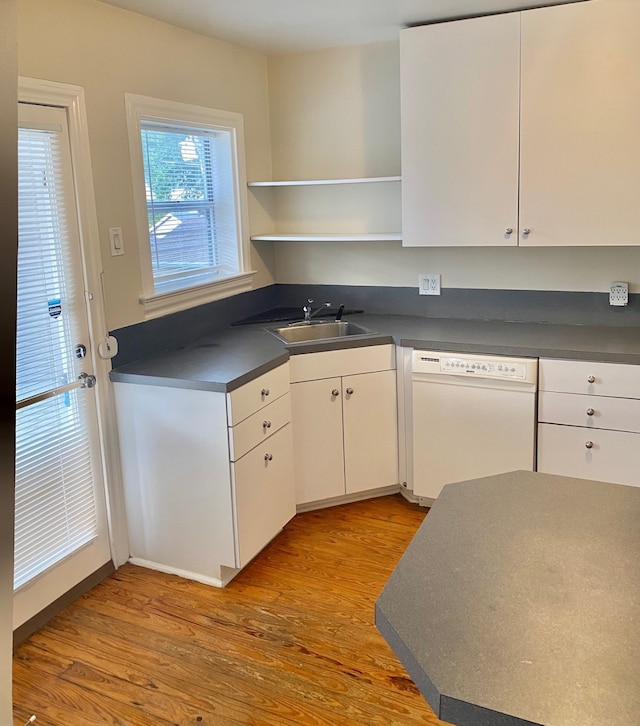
(229, 358)
(518, 603)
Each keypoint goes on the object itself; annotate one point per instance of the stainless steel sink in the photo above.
(320, 330)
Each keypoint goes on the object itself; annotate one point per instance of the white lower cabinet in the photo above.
(589, 421)
(263, 489)
(208, 476)
(345, 428)
(612, 456)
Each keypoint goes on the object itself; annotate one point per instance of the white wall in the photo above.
(336, 113)
(109, 52)
(9, 238)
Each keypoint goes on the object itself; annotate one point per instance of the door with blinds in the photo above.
(61, 533)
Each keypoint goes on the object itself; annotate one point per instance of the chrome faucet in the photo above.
(307, 309)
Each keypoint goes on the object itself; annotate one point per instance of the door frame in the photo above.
(71, 98)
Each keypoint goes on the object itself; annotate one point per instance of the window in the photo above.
(190, 196)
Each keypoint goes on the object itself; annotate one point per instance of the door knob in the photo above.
(349, 391)
(589, 444)
(266, 424)
(264, 392)
(590, 412)
(591, 379)
(335, 392)
(268, 457)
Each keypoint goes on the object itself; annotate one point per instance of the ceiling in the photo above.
(291, 26)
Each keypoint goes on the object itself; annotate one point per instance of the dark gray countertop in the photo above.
(518, 603)
(229, 358)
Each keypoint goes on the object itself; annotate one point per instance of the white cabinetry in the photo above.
(589, 421)
(459, 95)
(555, 90)
(344, 417)
(208, 476)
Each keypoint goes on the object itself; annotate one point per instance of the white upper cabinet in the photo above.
(459, 104)
(524, 121)
(580, 126)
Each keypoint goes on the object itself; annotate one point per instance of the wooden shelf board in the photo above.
(327, 237)
(317, 182)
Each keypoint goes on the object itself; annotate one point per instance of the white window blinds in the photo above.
(55, 505)
(190, 196)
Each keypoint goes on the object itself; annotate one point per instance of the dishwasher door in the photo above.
(466, 429)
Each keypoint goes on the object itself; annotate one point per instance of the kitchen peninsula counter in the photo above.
(517, 603)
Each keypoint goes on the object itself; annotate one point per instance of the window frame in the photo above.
(185, 293)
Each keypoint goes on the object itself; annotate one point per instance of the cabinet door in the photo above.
(580, 144)
(613, 456)
(263, 494)
(316, 418)
(460, 110)
(370, 431)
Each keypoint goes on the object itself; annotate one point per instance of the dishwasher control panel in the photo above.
(480, 366)
(471, 366)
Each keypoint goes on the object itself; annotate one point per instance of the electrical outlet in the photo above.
(619, 293)
(429, 284)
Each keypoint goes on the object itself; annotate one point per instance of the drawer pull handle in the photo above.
(266, 424)
(591, 379)
(335, 392)
(268, 457)
(590, 412)
(264, 392)
(589, 444)
(349, 391)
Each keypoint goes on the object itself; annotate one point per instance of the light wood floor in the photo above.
(290, 641)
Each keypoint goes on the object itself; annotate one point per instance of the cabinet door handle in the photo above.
(349, 391)
(266, 424)
(268, 457)
(591, 379)
(508, 231)
(526, 232)
(590, 412)
(264, 392)
(589, 444)
(335, 392)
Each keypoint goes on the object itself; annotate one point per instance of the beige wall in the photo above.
(109, 52)
(322, 114)
(336, 113)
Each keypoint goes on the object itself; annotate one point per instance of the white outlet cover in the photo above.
(619, 293)
(429, 284)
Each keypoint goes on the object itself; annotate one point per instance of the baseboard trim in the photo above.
(222, 581)
(21, 633)
(347, 499)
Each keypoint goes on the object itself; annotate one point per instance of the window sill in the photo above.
(172, 301)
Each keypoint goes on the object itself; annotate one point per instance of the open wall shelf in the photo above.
(332, 236)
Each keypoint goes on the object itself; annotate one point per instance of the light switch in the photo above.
(115, 240)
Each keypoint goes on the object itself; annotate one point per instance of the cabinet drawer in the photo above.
(264, 495)
(257, 394)
(259, 426)
(599, 379)
(613, 457)
(599, 412)
(347, 362)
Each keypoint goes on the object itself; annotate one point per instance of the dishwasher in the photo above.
(473, 416)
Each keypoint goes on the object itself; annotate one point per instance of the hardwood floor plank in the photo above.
(290, 641)
(66, 704)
